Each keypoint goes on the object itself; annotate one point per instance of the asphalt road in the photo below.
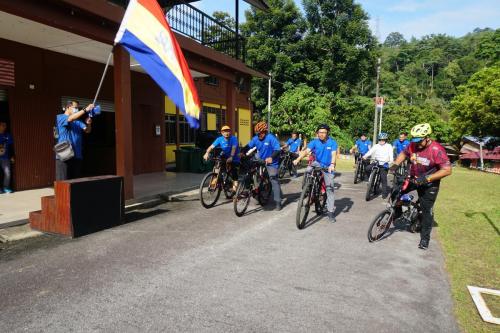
(180, 267)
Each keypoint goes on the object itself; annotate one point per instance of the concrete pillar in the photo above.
(230, 103)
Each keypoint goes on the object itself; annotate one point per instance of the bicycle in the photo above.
(373, 181)
(359, 172)
(313, 193)
(286, 163)
(401, 207)
(255, 183)
(215, 181)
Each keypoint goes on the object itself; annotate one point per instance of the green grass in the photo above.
(468, 216)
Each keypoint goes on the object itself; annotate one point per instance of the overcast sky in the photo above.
(410, 17)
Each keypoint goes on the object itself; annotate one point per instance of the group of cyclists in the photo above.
(424, 158)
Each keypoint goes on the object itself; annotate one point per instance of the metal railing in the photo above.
(193, 23)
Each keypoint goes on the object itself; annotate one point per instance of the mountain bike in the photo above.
(214, 182)
(286, 164)
(313, 193)
(373, 181)
(359, 172)
(401, 206)
(255, 183)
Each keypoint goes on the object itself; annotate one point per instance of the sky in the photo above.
(410, 17)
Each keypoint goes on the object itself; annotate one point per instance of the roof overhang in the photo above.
(260, 4)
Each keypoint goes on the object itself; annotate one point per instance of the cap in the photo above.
(225, 128)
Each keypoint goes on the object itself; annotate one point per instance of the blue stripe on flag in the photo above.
(158, 71)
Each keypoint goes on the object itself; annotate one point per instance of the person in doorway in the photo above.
(230, 151)
(383, 155)
(6, 157)
(70, 127)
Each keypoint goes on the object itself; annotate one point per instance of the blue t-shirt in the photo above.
(323, 151)
(5, 146)
(294, 144)
(266, 147)
(227, 145)
(72, 132)
(400, 145)
(363, 146)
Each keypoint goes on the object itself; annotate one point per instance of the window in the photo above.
(187, 134)
(170, 129)
(212, 81)
(219, 113)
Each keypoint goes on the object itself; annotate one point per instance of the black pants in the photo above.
(69, 169)
(233, 170)
(383, 177)
(427, 196)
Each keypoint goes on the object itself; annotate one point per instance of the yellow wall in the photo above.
(169, 106)
(244, 123)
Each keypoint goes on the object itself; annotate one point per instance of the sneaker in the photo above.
(424, 244)
(331, 218)
(7, 190)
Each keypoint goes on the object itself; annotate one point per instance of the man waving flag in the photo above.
(146, 35)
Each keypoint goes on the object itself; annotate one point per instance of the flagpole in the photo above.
(103, 75)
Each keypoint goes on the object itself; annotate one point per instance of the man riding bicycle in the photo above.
(268, 148)
(428, 164)
(230, 151)
(361, 146)
(383, 154)
(400, 144)
(294, 145)
(325, 149)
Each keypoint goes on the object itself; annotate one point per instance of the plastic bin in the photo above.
(181, 160)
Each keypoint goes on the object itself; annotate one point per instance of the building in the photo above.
(470, 154)
(54, 51)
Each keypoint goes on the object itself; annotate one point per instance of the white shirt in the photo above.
(382, 153)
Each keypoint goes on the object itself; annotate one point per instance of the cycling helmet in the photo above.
(323, 126)
(383, 136)
(261, 127)
(420, 131)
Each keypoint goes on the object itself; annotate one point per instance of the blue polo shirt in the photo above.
(227, 145)
(72, 132)
(323, 150)
(363, 146)
(294, 144)
(5, 146)
(266, 147)
(400, 145)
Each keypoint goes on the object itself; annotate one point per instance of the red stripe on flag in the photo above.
(154, 8)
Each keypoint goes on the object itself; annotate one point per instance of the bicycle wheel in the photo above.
(370, 186)
(357, 173)
(228, 187)
(265, 190)
(241, 198)
(282, 169)
(209, 190)
(303, 206)
(380, 225)
(320, 204)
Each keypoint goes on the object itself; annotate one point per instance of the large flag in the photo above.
(146, 35)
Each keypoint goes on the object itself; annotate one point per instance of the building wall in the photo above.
(33, 111)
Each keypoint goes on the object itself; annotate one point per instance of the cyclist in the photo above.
(294, 145)
(230, 150)
(268, 148)
(382, 152)
(361, 146)
(324, 148)
(428, 164)
(401, 144)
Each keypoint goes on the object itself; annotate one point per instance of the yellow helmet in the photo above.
(420, 131)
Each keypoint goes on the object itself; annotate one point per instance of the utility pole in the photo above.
(380, 120)
(376, 101)
(481, 143)
(269, 104)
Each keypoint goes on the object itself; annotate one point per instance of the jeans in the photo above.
(329, 184)
(5, 166)
(273, 175)
(69, 169)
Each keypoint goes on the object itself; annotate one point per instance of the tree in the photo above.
(394, 39)
(476, 107)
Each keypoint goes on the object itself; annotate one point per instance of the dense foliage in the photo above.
(323, 65)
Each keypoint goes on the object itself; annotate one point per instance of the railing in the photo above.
(194, 23)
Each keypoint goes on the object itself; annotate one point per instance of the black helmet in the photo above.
(323, 126)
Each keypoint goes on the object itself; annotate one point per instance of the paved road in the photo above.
(183, 268)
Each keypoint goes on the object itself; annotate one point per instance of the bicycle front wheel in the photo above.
(356, 173)
(265, 190)
(282, 169)
(241, 198)
(303, 206)
(370, 188)
(380, 225)
(209, 190)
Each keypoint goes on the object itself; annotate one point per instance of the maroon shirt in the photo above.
(423, 161)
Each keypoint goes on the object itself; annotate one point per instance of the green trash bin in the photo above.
(181, 160)
(195, 160)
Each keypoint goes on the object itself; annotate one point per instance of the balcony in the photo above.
(193, 23)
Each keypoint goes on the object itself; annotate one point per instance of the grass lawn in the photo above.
(468, 214)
